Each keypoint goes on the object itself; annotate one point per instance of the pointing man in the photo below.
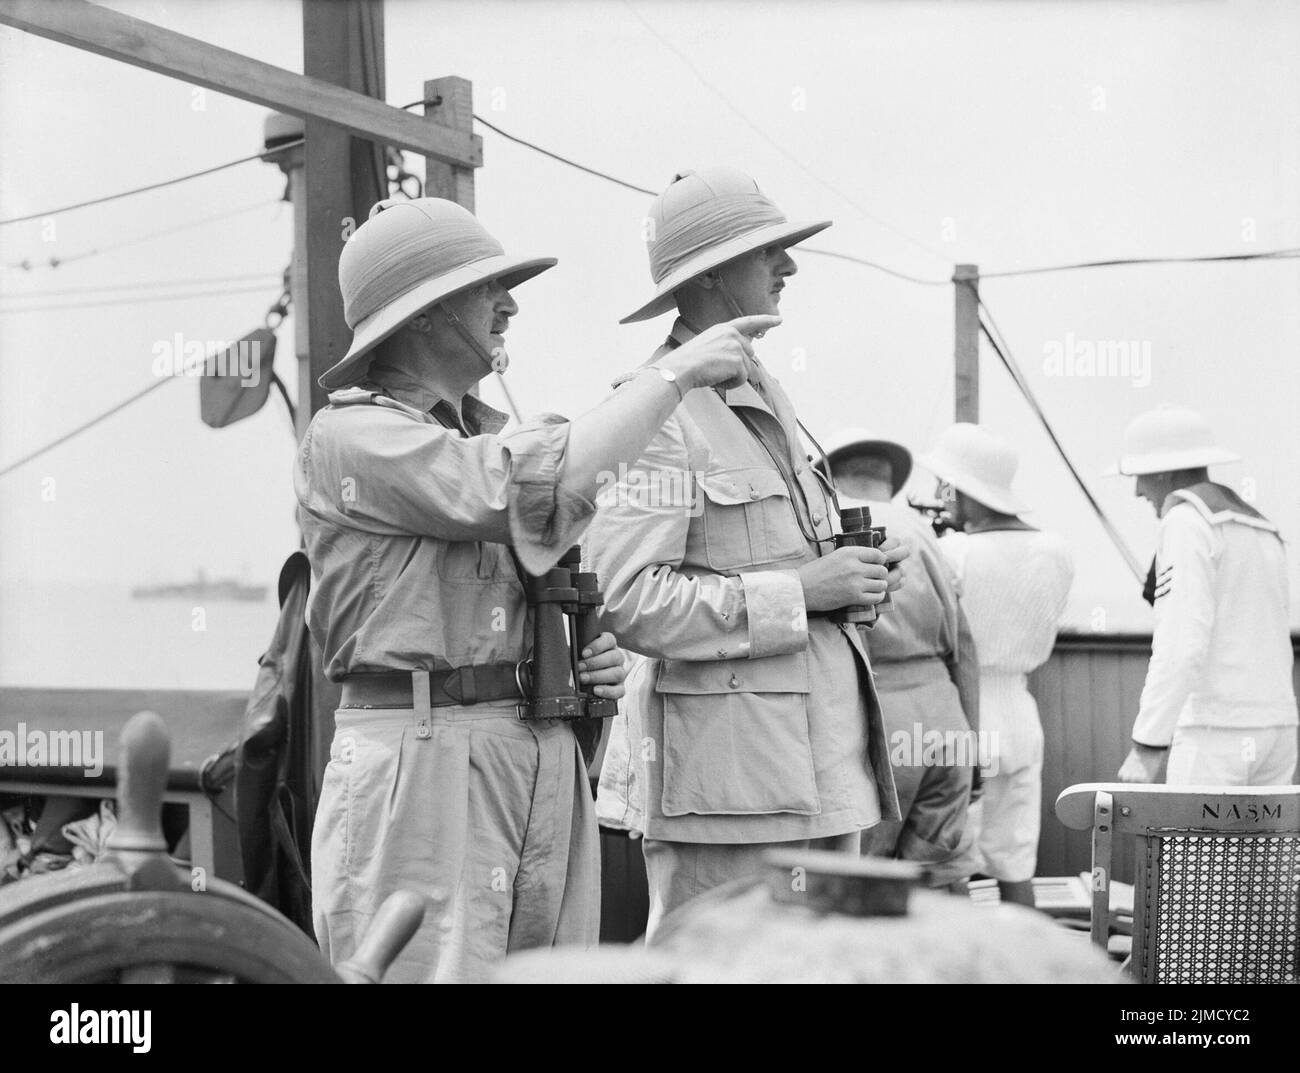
(421, 520)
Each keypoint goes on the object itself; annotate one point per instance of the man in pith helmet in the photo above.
(753, 720)
(1218, 703)
(927, 671)
(1015, 580)
(421, 519)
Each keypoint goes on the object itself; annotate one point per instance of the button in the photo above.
(734, 681)
(722, 653)
(817, 519)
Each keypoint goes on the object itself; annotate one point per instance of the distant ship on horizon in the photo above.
(201, 589)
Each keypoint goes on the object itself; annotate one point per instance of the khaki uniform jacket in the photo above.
(747, 722)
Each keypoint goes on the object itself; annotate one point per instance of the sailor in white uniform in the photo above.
(1218, 698)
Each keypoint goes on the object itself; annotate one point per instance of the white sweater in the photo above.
(1221, 651)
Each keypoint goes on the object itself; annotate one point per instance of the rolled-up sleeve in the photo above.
(382, 471)
(546, 518)
(654, 605)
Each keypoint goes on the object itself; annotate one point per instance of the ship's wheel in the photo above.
(133, 917)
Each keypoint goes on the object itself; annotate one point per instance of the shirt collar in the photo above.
(681, 333)
(750, 394)
(479, 417)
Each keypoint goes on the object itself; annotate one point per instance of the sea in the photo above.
(96, 635)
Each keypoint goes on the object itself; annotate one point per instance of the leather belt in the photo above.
(459, 686)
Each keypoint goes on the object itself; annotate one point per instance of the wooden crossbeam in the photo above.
(142, 44)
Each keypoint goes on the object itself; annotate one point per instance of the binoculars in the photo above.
(859, 533)
(936, 514)
(564, 602)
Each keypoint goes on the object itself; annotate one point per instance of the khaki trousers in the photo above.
(918, 698)
(488, 816)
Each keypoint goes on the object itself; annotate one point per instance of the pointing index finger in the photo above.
(755, 325)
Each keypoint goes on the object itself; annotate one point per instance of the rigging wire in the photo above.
(28, 265)
(195, 368)
(154, 186)
(129, 299)
(142, 285)
(547, 152)
(989, 328)
(873, 264)
(735, 110)
(1267, 255)
(564, 159)
(87, 425)
(1279, 254)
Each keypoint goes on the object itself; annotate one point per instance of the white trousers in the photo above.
(1237, 756)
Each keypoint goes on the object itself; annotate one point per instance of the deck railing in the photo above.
(1087, 695)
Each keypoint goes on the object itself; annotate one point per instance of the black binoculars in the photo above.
(937, 515)
(859, 533)
(564, 602)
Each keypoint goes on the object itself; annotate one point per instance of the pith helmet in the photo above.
(703, 220)
(860, 441)
(978, 463)
(1166, 439)
(404, 258)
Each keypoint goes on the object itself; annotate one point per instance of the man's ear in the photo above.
(420, 324)
(708, 280)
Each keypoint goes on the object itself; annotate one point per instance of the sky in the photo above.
(1007, 135)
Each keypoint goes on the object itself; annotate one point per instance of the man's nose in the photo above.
(505, 303)
(786, 265)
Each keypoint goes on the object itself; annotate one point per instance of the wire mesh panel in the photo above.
(1224, 908)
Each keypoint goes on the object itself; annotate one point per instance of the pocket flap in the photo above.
(786, 673)
(728, 487)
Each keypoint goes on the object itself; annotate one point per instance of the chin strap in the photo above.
(730, 299)
(489, 360)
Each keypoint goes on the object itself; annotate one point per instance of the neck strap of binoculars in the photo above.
(438, 416)
(792, 486)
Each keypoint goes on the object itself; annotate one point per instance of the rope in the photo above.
(1004, 353)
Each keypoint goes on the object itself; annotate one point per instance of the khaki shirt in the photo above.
(748, 722)
(407, 524)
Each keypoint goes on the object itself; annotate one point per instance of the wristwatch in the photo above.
(671, 377)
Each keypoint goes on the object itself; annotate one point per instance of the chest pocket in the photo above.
(748, 518)
(470, 560)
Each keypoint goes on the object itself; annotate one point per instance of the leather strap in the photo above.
(462, 686)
